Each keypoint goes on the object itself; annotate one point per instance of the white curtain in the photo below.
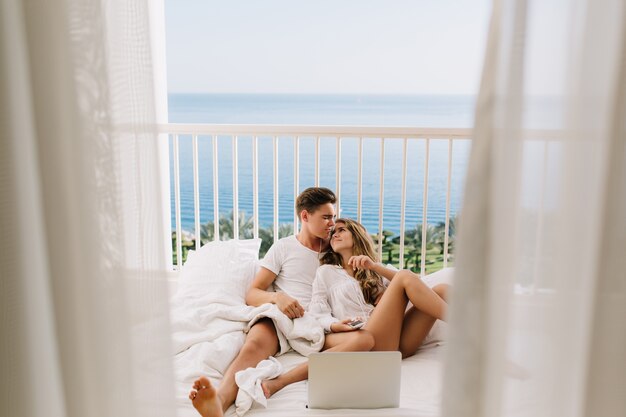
(538, 310)
(83, 295)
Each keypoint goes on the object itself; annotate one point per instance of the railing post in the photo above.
(255, 185)
(276, 184)
(196, 191)
(216, 203)
(338, 175)
(179, 248)
(235, 189)
(447, 220)
(296, 179)
(359, 195)
(317, 161)
(403, 203)
(425, 210)
(381, 199)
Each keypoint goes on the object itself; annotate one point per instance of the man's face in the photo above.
(320, 222)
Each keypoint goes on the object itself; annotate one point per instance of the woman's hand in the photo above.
(361, 262)
(343, 326)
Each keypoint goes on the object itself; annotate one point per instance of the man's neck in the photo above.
(310, 240)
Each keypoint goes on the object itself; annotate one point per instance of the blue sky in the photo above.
(326, 46)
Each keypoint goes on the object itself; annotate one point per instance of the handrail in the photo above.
(304, 130)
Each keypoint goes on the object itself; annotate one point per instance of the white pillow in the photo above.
(227, 267)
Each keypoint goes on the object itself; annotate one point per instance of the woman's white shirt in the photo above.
(337, 296)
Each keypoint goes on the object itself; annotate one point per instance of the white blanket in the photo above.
(304, 335)
(209, 329)
(249, 383)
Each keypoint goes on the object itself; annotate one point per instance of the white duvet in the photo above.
(209, 327)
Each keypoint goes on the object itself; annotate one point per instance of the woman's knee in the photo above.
(400, 278)
(405, 275)
(442, 290)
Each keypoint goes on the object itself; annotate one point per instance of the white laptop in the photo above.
(354, 380)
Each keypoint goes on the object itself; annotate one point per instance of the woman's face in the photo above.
(342, 238)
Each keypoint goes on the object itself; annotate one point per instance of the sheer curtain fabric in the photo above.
(540, 296)
(84, 295)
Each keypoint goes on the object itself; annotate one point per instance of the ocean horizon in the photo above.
(322, 109)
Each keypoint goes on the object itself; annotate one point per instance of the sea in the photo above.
(441, 111)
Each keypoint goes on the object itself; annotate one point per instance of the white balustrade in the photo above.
(259, 133)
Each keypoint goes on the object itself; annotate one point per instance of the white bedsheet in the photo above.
(420, 393)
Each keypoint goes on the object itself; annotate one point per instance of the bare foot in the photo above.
(204, 398)
(270, 387)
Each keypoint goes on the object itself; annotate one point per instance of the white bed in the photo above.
(208, 330)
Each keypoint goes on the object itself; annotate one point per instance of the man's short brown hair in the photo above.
(314, 197)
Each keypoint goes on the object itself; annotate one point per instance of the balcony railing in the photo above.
(294, 134)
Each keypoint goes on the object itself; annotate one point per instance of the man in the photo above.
(290, 267)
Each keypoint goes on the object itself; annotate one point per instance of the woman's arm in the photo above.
(319, 306)
(365, 262)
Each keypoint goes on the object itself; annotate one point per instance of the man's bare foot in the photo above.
(204, 398)
(271, 387)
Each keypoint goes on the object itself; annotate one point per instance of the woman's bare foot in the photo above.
(271, 387)
(204, 398)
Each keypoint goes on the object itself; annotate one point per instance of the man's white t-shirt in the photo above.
(294, 265)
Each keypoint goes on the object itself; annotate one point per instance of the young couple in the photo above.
(349, 283)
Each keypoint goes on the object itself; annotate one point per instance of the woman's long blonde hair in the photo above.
(370, 282)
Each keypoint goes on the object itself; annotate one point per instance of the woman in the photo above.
(350, 284)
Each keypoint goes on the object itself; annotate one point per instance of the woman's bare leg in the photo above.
(415, 328)
(443, 291)
(418, 324)
(387, 320)
(423, 297)
(359, 340)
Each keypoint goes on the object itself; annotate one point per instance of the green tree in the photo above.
(441, 232)
(388, 248)
(413, 245)
(207, 232)
(246, 226)
(186, 245)
(226, 229)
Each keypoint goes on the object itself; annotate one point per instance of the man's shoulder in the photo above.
(291, 247)
(282, 243)
(287, 239)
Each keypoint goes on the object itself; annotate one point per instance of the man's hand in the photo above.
(288, 305)
(361, 262)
